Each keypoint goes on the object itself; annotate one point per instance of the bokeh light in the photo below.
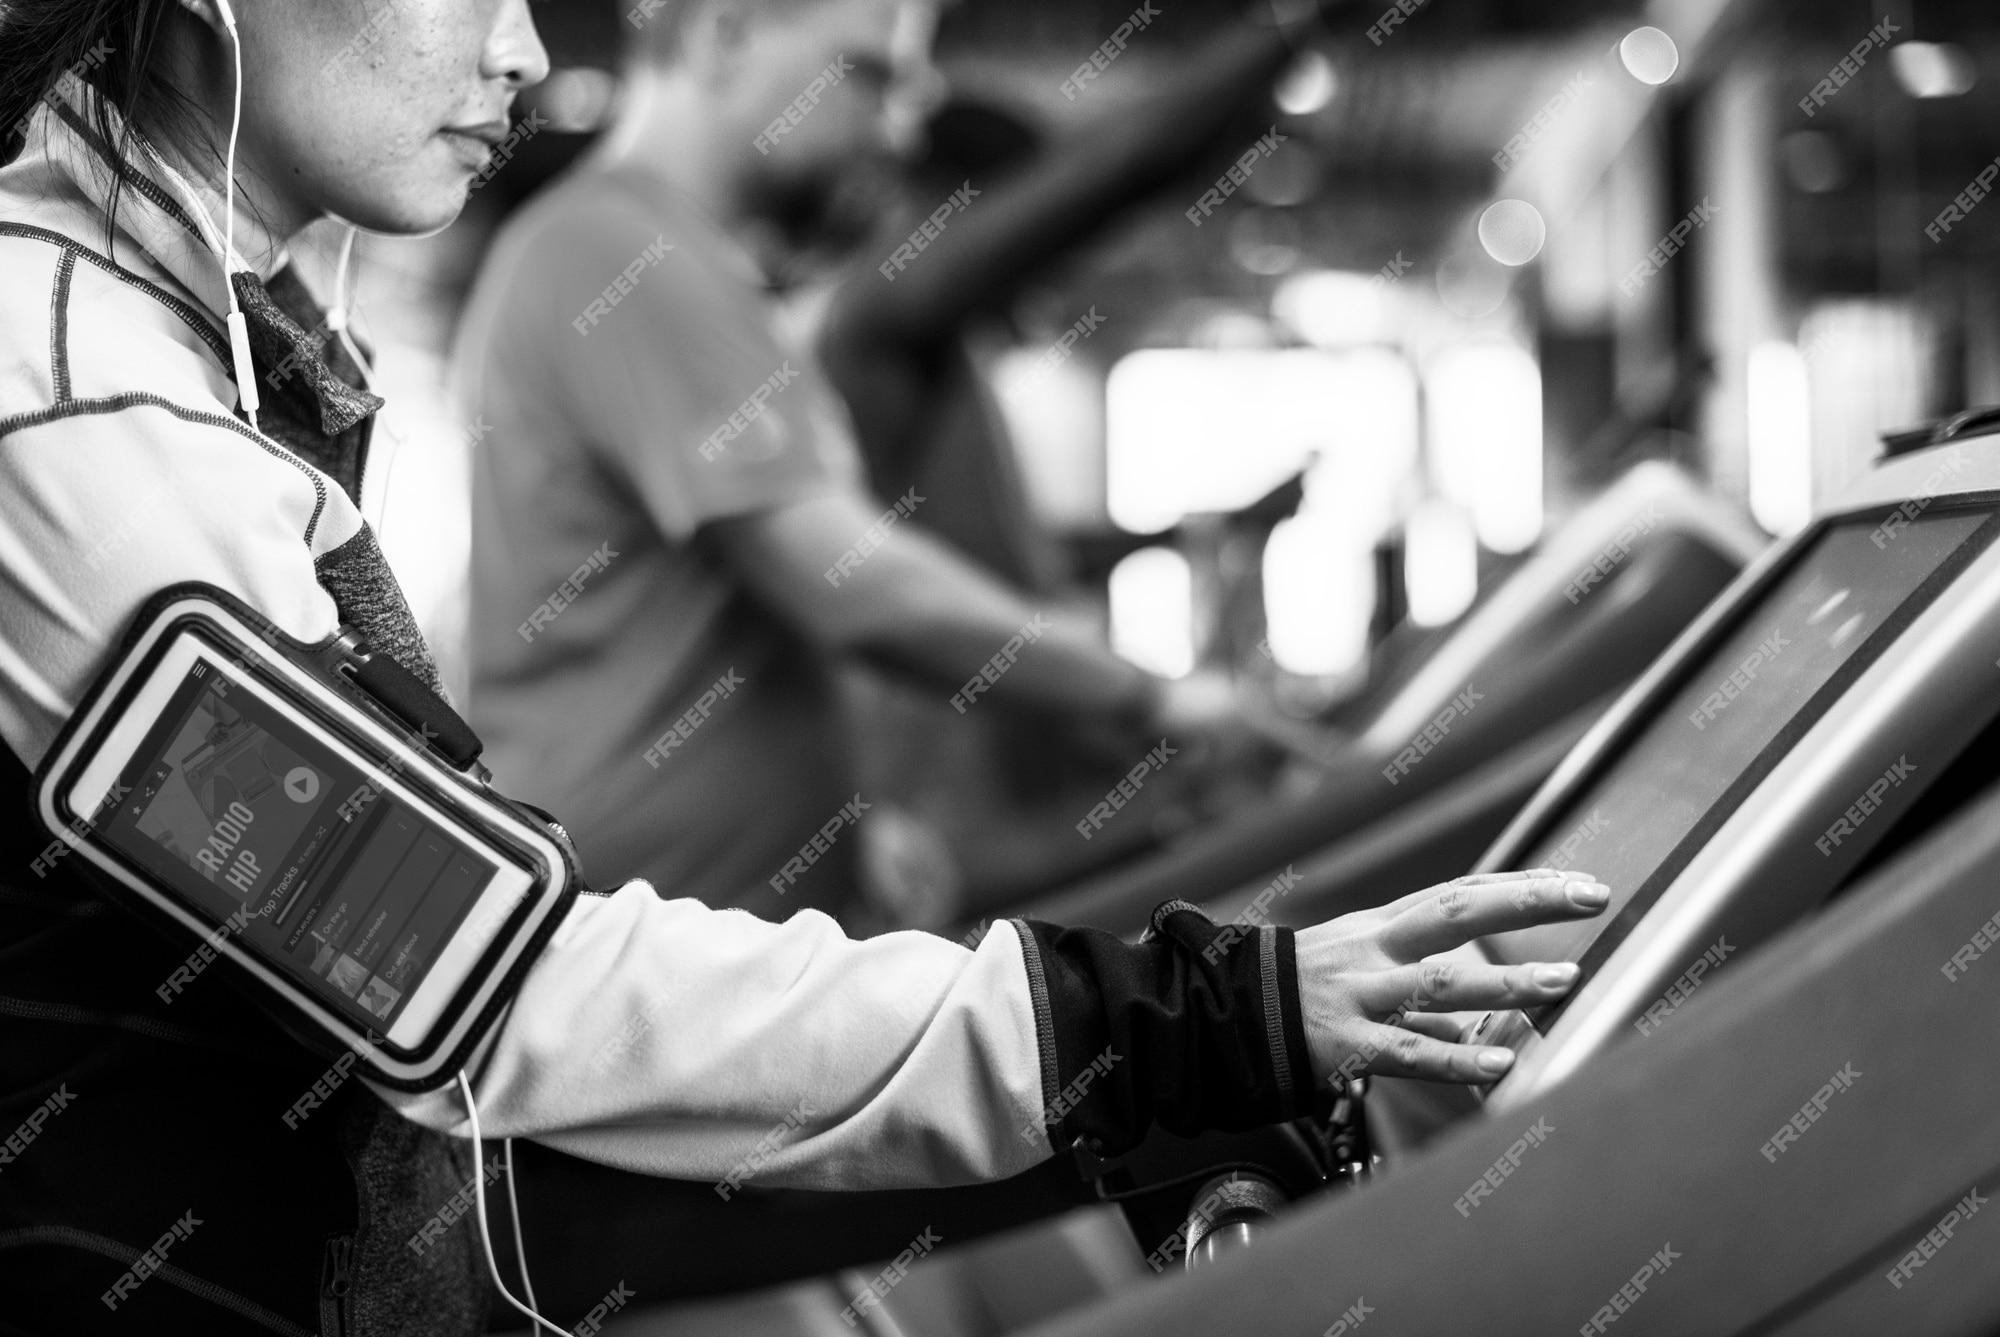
(1306, 86)
(1650, 55)
(1933, 69)
(1512, 231)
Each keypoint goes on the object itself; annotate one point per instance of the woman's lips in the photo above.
(475, 143)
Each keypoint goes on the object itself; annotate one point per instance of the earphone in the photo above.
(514, 1206)
(239, 327)
(337, 318)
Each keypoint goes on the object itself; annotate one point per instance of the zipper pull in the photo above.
(334, 1285)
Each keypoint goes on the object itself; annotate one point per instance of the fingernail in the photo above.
(1589, 895)
(1552, 977)
(1495, 1060)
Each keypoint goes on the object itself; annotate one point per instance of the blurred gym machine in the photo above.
(1471, 727)
(1828, 729)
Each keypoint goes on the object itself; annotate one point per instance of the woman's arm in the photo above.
(668, 1038)
(665, 1037)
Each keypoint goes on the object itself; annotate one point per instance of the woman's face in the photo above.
(380, 112)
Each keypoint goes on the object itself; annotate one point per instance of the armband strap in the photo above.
(410, 699)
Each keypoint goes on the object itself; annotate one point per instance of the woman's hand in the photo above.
(1365, 987)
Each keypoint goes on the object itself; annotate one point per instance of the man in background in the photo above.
(672, 545)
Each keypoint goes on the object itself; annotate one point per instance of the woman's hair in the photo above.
(114, 47)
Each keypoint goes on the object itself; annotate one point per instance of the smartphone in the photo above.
(220, 778)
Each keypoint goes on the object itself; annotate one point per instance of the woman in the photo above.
(185, 1165)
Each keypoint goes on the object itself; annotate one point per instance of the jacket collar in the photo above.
(174, 217)
(171, 214)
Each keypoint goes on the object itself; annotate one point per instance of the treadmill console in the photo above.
(1739, 782)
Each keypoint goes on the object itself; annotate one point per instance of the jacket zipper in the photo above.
(334, 1286)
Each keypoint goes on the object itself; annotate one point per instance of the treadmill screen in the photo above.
(1730, 722)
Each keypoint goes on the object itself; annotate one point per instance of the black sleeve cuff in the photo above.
(1195, 1027)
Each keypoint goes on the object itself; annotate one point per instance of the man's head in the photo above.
(380, 111)
(800, 103)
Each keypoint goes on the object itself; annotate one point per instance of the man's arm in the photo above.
(912, 603)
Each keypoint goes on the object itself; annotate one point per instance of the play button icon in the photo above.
(302, 784)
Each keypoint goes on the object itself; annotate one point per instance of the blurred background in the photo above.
(1511, 292)
(1496, 253)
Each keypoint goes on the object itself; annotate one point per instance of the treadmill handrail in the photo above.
(1398, 834)
(1623, 625)
(1570, 550)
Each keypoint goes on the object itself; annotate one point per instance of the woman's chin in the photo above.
(409, 194)
(415, 211)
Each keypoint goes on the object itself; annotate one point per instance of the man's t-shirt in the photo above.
(626, 387)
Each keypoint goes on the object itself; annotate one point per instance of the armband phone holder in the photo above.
(311, 819)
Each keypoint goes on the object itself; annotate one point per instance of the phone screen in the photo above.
(321, 870)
